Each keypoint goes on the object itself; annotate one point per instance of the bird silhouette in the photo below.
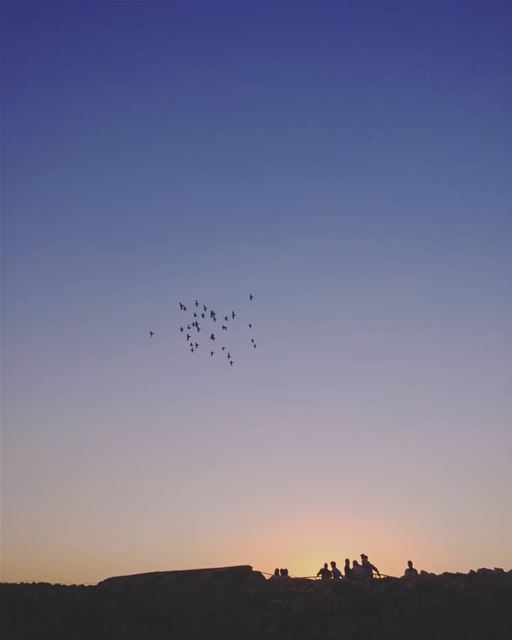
(205, 312)
(151, 334)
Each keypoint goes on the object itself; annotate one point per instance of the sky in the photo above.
(347, 163)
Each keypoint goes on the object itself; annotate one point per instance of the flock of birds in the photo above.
(193, 326)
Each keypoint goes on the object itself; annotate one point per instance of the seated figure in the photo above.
(410, 572)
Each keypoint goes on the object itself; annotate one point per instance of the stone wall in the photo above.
(237, 603)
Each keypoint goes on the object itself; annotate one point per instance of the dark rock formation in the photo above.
(238, 603)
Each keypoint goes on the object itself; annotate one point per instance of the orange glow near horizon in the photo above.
(297, 542)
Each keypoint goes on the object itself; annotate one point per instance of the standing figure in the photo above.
(368, 566)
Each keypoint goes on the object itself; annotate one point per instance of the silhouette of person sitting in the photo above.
(410, 572)
(276, 575)
(336, 573)
(284, 574)
(368, 566)
(324, 572)
(358, 572)
(347, 570)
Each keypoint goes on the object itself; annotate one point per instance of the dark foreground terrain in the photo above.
(238, 603)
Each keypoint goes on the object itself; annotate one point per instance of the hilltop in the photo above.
(240, 604)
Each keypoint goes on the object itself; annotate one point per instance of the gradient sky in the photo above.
(349, 164)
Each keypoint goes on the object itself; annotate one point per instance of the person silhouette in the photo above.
(347, 570)
(284, 574)
(368, 566)
(276, 575)
(358, 572)
(336, 573)
(324, 572)
(410, 572)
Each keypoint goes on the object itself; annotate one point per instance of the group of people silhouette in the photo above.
(358, 571)
(280, 574)
(361, 571)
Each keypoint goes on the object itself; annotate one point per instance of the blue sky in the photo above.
(349, 163)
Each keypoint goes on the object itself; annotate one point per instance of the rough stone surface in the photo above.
(237, 603)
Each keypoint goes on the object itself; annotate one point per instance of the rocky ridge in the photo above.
(238, 603)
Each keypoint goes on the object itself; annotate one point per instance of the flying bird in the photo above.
(255, 345)
(233, 314)
(188, 337)
(223, 348)
(212, 336)
(229, 356)
(250, 325)
(204, 307)
(231, 362)
(251, 296)
(151, 334)
(197, 303)
(181, 329)
(226, 318)
(195, 314)
(196, 345)
(224, 327)
(211, 353)
(188, 327)
(182, 306)
(252, 340)
(202, 315)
